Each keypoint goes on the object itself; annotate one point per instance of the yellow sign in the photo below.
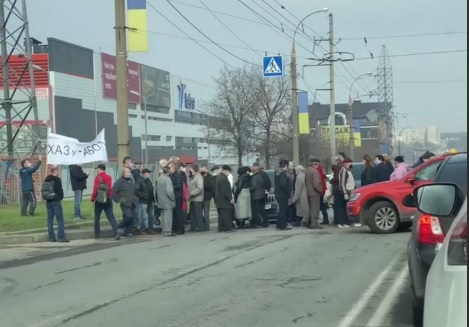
(342, 133)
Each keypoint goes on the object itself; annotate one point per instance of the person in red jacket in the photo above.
(325, 214)
(102, 201)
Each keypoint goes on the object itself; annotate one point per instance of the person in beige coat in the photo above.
(300, 197)
(314, 190)
(196, 198)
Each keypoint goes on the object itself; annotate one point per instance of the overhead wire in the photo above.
(208, 37)
(229, 29)
(342, 79)
(418, 54)
(191, 38)
(402, 36)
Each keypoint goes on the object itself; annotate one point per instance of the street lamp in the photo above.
(294, 82)
(350, 114)
(209, 141)
(400, 136)
(144, 99)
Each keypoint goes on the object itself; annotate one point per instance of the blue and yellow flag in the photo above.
(137, 23)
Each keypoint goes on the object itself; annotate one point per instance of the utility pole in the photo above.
(295, 114)
(351, 126)
(6, 82)
(332, 77)
(123, 139)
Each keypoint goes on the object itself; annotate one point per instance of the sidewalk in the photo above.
(78, 231)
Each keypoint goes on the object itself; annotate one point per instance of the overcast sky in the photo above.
(428, 89)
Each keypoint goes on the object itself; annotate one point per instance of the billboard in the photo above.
(156, 86)
(110, 78)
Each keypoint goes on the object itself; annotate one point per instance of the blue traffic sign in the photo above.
(273, 66)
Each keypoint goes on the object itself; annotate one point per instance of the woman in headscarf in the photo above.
(300, 197)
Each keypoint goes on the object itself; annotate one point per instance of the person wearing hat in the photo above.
(146, 199)
(102, 201)
(166, 201)
(224, 201)
(314, 190)
(346, 184)
(283, 192)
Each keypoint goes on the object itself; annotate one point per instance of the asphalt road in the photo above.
(331, 278)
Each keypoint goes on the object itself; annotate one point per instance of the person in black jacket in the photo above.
(146, 199)
(209, 187)
(258, 195)
(78, 180)
(224, 201)
(369, 173)
(179, 226)
(383, 173)
(283, 191)
(54, 208)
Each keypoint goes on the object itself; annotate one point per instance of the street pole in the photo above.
(350, 115)
(146, 128)
(123, 139)
(352, 132)
(209, 140)
(6, 103)
(295, 114)
(332, 78)
(294, 83)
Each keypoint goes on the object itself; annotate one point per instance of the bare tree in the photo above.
(231, 108)
(271, 111)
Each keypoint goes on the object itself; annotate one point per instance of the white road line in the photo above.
(391, 297)
(358, 308)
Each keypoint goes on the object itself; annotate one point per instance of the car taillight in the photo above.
(457, 245)
(430, 231)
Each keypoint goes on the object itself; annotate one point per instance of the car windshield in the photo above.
(456, 173)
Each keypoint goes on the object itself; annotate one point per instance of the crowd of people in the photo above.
(184, 194)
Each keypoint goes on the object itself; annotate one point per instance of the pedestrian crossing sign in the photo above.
(273, 66)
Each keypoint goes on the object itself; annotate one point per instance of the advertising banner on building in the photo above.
(63, 150)
(110, 78)
(185, 99)
(342, 134)
(156, 86)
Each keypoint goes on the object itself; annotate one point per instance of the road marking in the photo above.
(358, 308)
(391, 297)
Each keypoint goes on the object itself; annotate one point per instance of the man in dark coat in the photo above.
(179, 226)
(258, 191)
(283, 191)
(383, 173)
(208, 195)
(28, 193)
(78, 180)
(146, 199)
(224, 201)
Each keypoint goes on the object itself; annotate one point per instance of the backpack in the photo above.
(47, 191)
(102, 195)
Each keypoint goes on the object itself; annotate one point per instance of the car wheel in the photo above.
(417, 313)
(384, 218)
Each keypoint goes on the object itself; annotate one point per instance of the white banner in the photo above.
(63, 150)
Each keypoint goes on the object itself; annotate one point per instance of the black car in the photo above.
(271, 204)
(428, 232)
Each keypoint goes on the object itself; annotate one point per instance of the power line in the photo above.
(432, 82)
(207, 37)
(229, 29)
(418, 54)
(188, 36)
(402, 36)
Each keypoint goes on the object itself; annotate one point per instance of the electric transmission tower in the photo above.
(386, 100)
(17, 75)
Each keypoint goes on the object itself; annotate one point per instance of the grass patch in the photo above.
(11, 220)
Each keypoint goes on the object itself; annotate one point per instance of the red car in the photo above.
(380, 205)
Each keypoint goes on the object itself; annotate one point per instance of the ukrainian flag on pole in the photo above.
(137, 23)
(303, 113)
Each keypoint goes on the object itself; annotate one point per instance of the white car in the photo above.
(446, 288)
